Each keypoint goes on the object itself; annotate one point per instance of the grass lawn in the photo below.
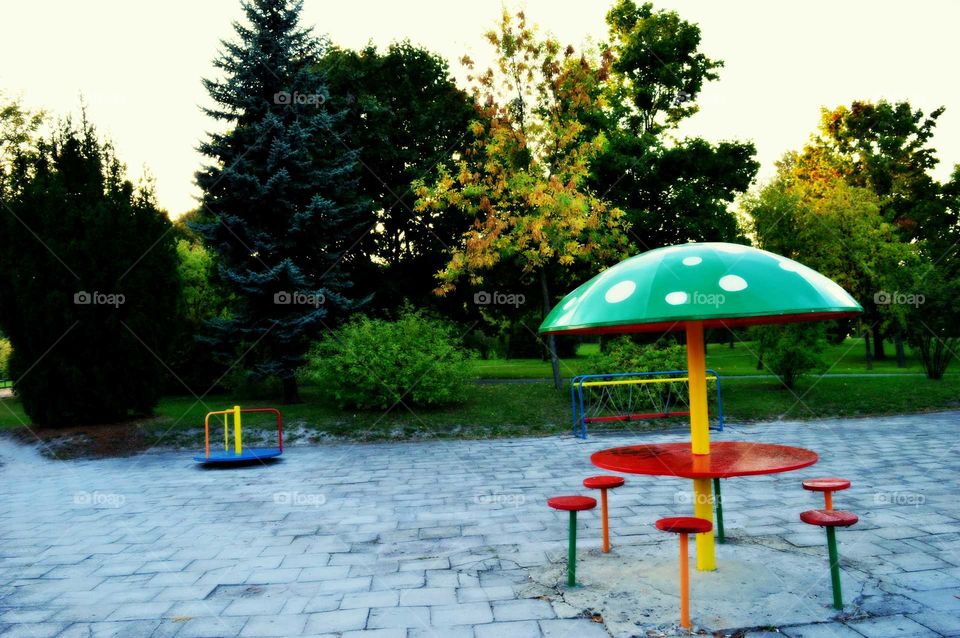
(848, 357)
(490, 411)
(498, 410)
(516, 409)
(762, 399)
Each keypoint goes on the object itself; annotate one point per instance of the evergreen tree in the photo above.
(406, 117)
(89, 296)
(281, 191)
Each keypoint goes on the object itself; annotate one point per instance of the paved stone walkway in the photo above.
(439, 539)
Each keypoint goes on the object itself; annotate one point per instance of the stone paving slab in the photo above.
(443, 539)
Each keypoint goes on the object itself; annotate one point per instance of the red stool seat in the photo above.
(829, 518)
(572, 503)
(826, 484)
(603, 482)
(684, 525)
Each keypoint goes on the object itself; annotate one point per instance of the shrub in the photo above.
(248, 385)
(933, 321)
(626, 355)
(523, 342)
(792, 350)
(193, 364)
(5, 351)
(374, 363)
(487, 346)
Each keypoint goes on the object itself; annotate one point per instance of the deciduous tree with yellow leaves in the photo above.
(523, 179)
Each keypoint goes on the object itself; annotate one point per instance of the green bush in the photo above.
(248, 385)
(522, 341)
(626, 355)
(193, 364)
(374, 363)
(487, 346)
(5, 351)
(791, 350)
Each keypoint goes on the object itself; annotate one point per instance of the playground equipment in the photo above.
(238, 453)
(830, 519)
(625, 397)
(828, 486)
(682, 526)
(692, 287)
(572, 504)
(604, 483)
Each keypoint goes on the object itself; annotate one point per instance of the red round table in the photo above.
(726, 459)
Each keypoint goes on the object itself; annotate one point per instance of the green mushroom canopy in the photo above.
(719, 284)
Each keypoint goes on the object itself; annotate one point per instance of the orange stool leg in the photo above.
(684, 584)
(606, 525)
(828, 500)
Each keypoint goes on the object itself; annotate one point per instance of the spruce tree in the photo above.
(280, 191)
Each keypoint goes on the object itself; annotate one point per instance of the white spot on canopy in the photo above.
(618, 292)
(732, 283)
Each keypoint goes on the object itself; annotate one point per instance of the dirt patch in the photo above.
(128, 438)
(90, 441)
(635, 588)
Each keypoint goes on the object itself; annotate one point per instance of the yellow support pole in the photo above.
(226, 432)
(237, 431)
(697, 372)
(700, 440)
(703, 508)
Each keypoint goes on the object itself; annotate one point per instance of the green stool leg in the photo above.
(834, 567)
(719, 502)
(572, 554)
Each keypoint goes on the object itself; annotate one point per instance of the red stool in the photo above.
(831, 519)
(827, 485)
(684, 525)
(604, 483)
(572, 504)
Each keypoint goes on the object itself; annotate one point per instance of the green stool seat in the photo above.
(831, 520)
(572, 504)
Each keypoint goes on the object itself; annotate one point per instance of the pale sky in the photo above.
(138, 64)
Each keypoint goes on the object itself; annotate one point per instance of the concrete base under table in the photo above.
(636, 588)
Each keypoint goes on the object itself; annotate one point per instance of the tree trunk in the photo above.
(731, 340)
(291, 392)
(551, 341)
(866, 344)
(878, 353)
(760, 362)
(901, 353)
